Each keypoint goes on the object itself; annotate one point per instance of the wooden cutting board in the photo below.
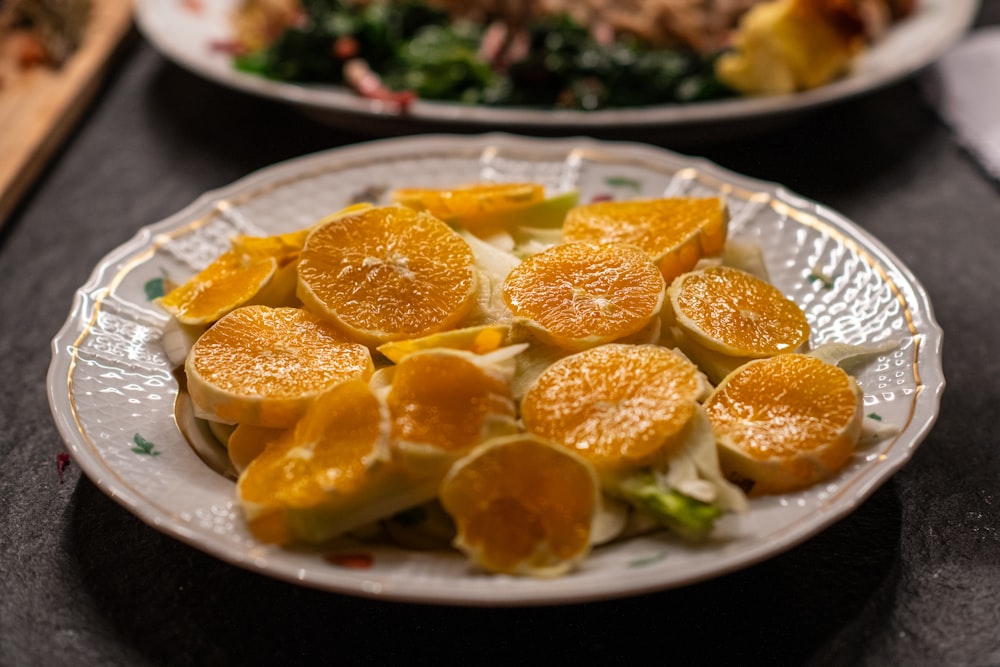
(39, 106)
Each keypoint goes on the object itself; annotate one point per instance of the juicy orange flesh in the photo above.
(613, 403)
(227, 283)
(510, 500)
(247, 442)
(582, 290)
(444, 400)
(775, 408)
(658, 226)
(328, 451)
(741, 313)
(277, 353)
(389, 270)
(470, 200)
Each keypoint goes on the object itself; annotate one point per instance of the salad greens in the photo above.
(414, 47)
(686, 516)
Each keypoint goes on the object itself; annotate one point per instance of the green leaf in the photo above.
(648, 560)
(817, 277)
(155, 288)
(690, 518)
(143, 446)
(623, 182)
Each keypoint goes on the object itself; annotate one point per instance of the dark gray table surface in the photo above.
(912, 577)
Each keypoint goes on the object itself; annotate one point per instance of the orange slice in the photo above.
(231, 281)
(579, 295)
(522, 506)
(618, 406)
(264, 366)
(387, 273)
(255, 270)
(786, 422)
(444, 402)
(330, 474)
(473, 205)
(726, 317)
(675, 232)
(247, 442)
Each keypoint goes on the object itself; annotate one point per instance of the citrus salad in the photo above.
(512, 372)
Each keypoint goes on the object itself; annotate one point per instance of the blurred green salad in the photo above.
(401, 50)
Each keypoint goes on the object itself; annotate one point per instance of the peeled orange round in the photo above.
(444, 402)
(304, 482)
(264, 366)
(619, 406)
(247, 442)
(786, 422)
(229, 282)
(675, 232)
(578, 295)
(522, 506)
(387, 273)
(726, 317)
(255, 270)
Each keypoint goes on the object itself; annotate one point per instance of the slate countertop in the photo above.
(912, 577)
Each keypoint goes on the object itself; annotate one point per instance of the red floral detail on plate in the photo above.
(227, 46)
(62, 462)
(355, 560)
(193, 6)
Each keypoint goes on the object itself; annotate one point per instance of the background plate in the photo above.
(112, 388)
(187, 32)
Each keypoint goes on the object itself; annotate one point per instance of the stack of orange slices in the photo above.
(388, 357)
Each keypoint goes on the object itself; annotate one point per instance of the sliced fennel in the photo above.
(688, 493)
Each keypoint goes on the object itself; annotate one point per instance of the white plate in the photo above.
(187, 31)
(112, 390)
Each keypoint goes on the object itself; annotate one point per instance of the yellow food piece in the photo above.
(247, 442)
(785, 423)
(232, 280)
(256, 270)
(263, 366)
(618, 406)
(445, 402)
(330, 474)
(578, 295)
(522, 506)
(675, 232)
(786, 46)
(723, 317)
(479, 340)
(387, 273)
